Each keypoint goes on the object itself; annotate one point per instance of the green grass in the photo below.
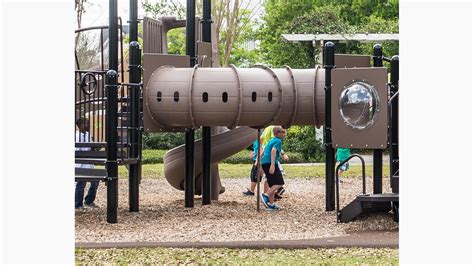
(243, 170)
(219, 256)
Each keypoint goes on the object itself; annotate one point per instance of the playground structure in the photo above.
(180, 93)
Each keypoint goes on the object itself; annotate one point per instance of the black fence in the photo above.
(90, 97)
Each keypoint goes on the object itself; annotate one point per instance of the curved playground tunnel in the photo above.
(254, 97)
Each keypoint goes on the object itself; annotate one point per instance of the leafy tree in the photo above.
(241, 57)
(165, 140)
(233, 20)
(177, 41)
(358, 12)
(329, 16)
(164, 8)
(277, 17)
(302, 139)
(312, 19)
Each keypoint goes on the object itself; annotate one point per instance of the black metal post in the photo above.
(206, 131)
(133, 22)
(189, 133)
(206, 20)
(394, 158)
(111, 138)
(189, 168)
(206, 165)
(111, 110)
(378, 153)
(191, 30)
(330, 154)
(113, 35)
(134, 78)
(258, 168)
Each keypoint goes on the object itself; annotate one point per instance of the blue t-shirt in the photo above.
(267, 154)
(255, 150)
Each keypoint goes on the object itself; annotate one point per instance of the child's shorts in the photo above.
(273, 179)
(344, 167)
(253, 173)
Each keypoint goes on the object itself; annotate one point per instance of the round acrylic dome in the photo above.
(359, 105)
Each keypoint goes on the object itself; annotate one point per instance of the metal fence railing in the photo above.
(90, 94)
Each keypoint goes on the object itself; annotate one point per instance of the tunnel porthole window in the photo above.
(176, 96)
(270, 96)
(359, 105)
(254, 96)
(224, 97)
(158, 96)
(205, 97)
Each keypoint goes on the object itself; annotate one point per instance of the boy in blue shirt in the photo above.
(270, 157)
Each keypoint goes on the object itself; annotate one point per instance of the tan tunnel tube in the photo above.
(231, 97)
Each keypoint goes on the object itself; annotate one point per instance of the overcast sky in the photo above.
(97, 12)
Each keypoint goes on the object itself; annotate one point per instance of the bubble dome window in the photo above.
(359, 105)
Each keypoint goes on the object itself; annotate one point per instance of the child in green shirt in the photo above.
(341, 155)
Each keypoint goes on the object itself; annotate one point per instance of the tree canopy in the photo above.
(331, 16)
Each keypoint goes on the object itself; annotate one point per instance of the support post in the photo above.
(135, 132)
(206, 131)
(330, 155)
(258, 168)
(189, 168)
(189, 132)
(378, 153)
(111, 90)
(394, 158)
(206, 20)
(191, 31)
(113, 35)
(206, 165)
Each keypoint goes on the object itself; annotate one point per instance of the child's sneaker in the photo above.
(272, 207)
(248, 193)
(91, 205)
(264, 199)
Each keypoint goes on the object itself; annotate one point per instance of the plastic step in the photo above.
(90, 174)
(350, 212)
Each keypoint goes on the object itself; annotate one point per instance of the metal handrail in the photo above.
(392, 98)
(91, 28)
(338, 213)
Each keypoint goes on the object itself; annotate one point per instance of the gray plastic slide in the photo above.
(223, 145)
